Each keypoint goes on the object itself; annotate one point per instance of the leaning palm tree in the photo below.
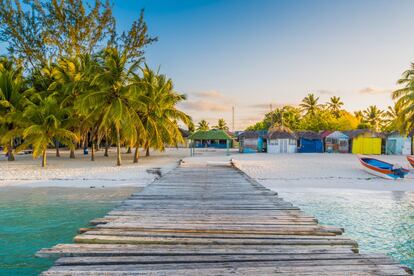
(404, 98)
(374, 117)
(334, 105)
(112, 105)
(221, 124)
(46, 122)
(310, 104)
(12, 104)
(203, 125)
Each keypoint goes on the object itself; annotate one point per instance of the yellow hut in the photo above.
(364, 141)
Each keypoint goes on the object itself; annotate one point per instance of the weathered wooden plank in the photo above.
(119, 260)
(76, 250)
(85, 238)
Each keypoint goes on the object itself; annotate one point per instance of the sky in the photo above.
(257, 53)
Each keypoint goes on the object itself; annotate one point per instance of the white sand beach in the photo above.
(81, 172)
(314, 170)
(338, 171)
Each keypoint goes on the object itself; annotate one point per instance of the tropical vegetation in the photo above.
(70, 79)
(316, 116)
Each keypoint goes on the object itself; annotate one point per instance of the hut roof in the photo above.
(397, 133)
(280, 132)
(307, 134)
(356, 132)
(185, 133)
(249, 134)
(324, 133)
(253, 134)
(214, 134)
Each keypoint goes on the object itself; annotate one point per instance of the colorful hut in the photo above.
(214, 138)
(251, 141)
(364, 141)
(395, 143)
(309, 141)
(281, 140)
(337, 141)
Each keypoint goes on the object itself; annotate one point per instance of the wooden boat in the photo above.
(411, 160)
(382, 169)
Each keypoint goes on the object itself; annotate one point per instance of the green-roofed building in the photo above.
(214, 138)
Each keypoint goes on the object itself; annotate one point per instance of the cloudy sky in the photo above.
(250, 54)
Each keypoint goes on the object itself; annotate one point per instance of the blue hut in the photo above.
(396, 143)
(252, 141)
(309, 141)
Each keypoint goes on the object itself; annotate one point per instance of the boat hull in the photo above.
(411, 160)
(386, 173)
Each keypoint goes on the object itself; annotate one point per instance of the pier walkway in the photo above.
(204, 219)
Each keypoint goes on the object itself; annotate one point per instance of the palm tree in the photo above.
(334, 105)
(159, 114)
(395, 120)
(46, 122)
(12, 104)
(373, 117)
(404, 98)
(310, 104)
(113, 104)
(203, 125)
(73, 77)
(221, 124)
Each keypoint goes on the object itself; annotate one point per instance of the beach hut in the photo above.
(214, 138)
(364, 141)
(185, 134)
(281, 140)
(251, 141)
(309, 141)
(337, 141)
(395, 143)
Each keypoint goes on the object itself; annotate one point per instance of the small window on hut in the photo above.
(292, 142)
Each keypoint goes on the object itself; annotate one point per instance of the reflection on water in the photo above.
(33, 218)
(379, 221)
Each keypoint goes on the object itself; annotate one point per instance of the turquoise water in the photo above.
(33, 218)
(378, 221)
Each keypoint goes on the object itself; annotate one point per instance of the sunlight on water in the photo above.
(378, 221)
(33, 218)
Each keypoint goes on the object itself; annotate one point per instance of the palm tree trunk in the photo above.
(128, 150)
(72, 153)
(57, 149)
(10, 154)
(147, 152)
(44, 158)
(136, 154)
(118, 147)
(93, 151)
(98, 145)
(106, 148)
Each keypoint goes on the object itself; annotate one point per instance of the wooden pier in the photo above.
(204, 219)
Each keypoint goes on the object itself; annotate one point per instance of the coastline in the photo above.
(83, 173)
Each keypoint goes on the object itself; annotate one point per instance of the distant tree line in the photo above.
(313, 115)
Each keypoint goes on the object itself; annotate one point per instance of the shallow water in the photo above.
(33, 218)
(378, 221)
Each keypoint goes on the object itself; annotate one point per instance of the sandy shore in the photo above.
(338, 171)
(81, 172)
